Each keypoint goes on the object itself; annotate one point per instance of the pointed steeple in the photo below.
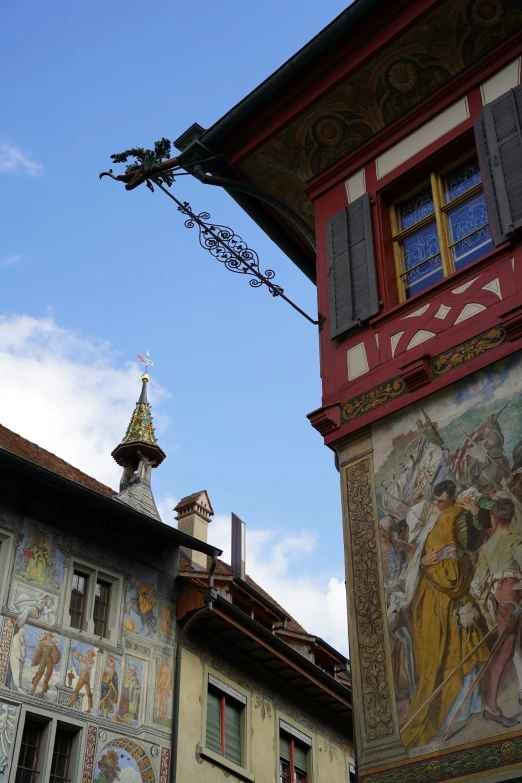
(137, 454)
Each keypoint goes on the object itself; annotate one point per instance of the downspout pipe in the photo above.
(210, 597)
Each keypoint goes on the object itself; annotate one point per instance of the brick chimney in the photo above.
(193, 515)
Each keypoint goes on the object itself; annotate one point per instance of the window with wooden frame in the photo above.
(95, 600)
(61, 756)
(224, 729)
(27, 768)
(77, 602)
(293, 761)
(440, 227)
(100, 614)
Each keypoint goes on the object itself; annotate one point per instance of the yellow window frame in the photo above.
(441, 208)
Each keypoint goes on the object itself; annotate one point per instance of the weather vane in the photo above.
(147, 363)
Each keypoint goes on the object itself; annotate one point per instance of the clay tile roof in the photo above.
(11, 441)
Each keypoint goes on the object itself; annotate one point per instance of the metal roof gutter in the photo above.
(111, 505)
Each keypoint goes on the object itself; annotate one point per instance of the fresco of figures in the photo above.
(448, 479)
(35, 661)
(38, 559)
(163, 692)
(8, 723)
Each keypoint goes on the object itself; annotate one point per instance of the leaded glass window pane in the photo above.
(421, 255)
(415, 208)
(469, 232)
(461, 179)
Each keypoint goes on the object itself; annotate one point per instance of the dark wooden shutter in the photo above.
(352, 281)
(499, 144)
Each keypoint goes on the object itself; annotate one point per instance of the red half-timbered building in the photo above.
(385, 159)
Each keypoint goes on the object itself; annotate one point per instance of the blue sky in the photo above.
(91, 274)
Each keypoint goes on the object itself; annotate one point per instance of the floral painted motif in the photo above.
(407, 72)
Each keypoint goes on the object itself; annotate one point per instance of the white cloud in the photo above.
(285, 566)
(13, 159)
(61, 390)
(166, 506)
(10, 260)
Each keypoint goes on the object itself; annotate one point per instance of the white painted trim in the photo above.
(357, 361)
(501, 82)
(355, 185)
(422, 137)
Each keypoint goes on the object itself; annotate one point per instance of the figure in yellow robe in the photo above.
(38, 562)
(440, 641)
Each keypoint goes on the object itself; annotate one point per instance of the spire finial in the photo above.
(148, 363)
(139, 442)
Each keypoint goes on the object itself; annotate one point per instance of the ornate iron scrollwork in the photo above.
(230, 249)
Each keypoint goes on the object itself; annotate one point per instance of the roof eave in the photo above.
(170, 534)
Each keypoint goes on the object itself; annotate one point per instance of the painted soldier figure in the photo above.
(395, 555)
(84, 678)
(46, 657)
(496, 581)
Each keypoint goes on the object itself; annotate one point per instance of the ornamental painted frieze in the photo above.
(440, 365)
(470, 761)
(372, 399)
(377, 693)
(406, 73)
(466, 352)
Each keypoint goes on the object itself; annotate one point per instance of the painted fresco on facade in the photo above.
(130, 706)
(32, 603)
(141, 603)
(38, 558)
(163, 692)
(116, 765)
(109, 679)
(8, 723)
(80, 676)
(449, 493)
(35, 661)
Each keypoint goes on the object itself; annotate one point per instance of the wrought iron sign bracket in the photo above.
(222, 242)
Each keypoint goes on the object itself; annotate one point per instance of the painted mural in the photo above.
(141, 613)
(124, 761)
(8, 723)
(163, 692)
(448, 481)
(125, 682)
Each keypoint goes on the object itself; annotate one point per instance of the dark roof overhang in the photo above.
(197, 144)
(287, 667)
(36, 487)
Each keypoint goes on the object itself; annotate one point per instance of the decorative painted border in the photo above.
(458, 764)
(377, 694)
(374, 398)
(440, 365)
(5, 644)
(90, 752)
(466, 352)
(164, 765)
